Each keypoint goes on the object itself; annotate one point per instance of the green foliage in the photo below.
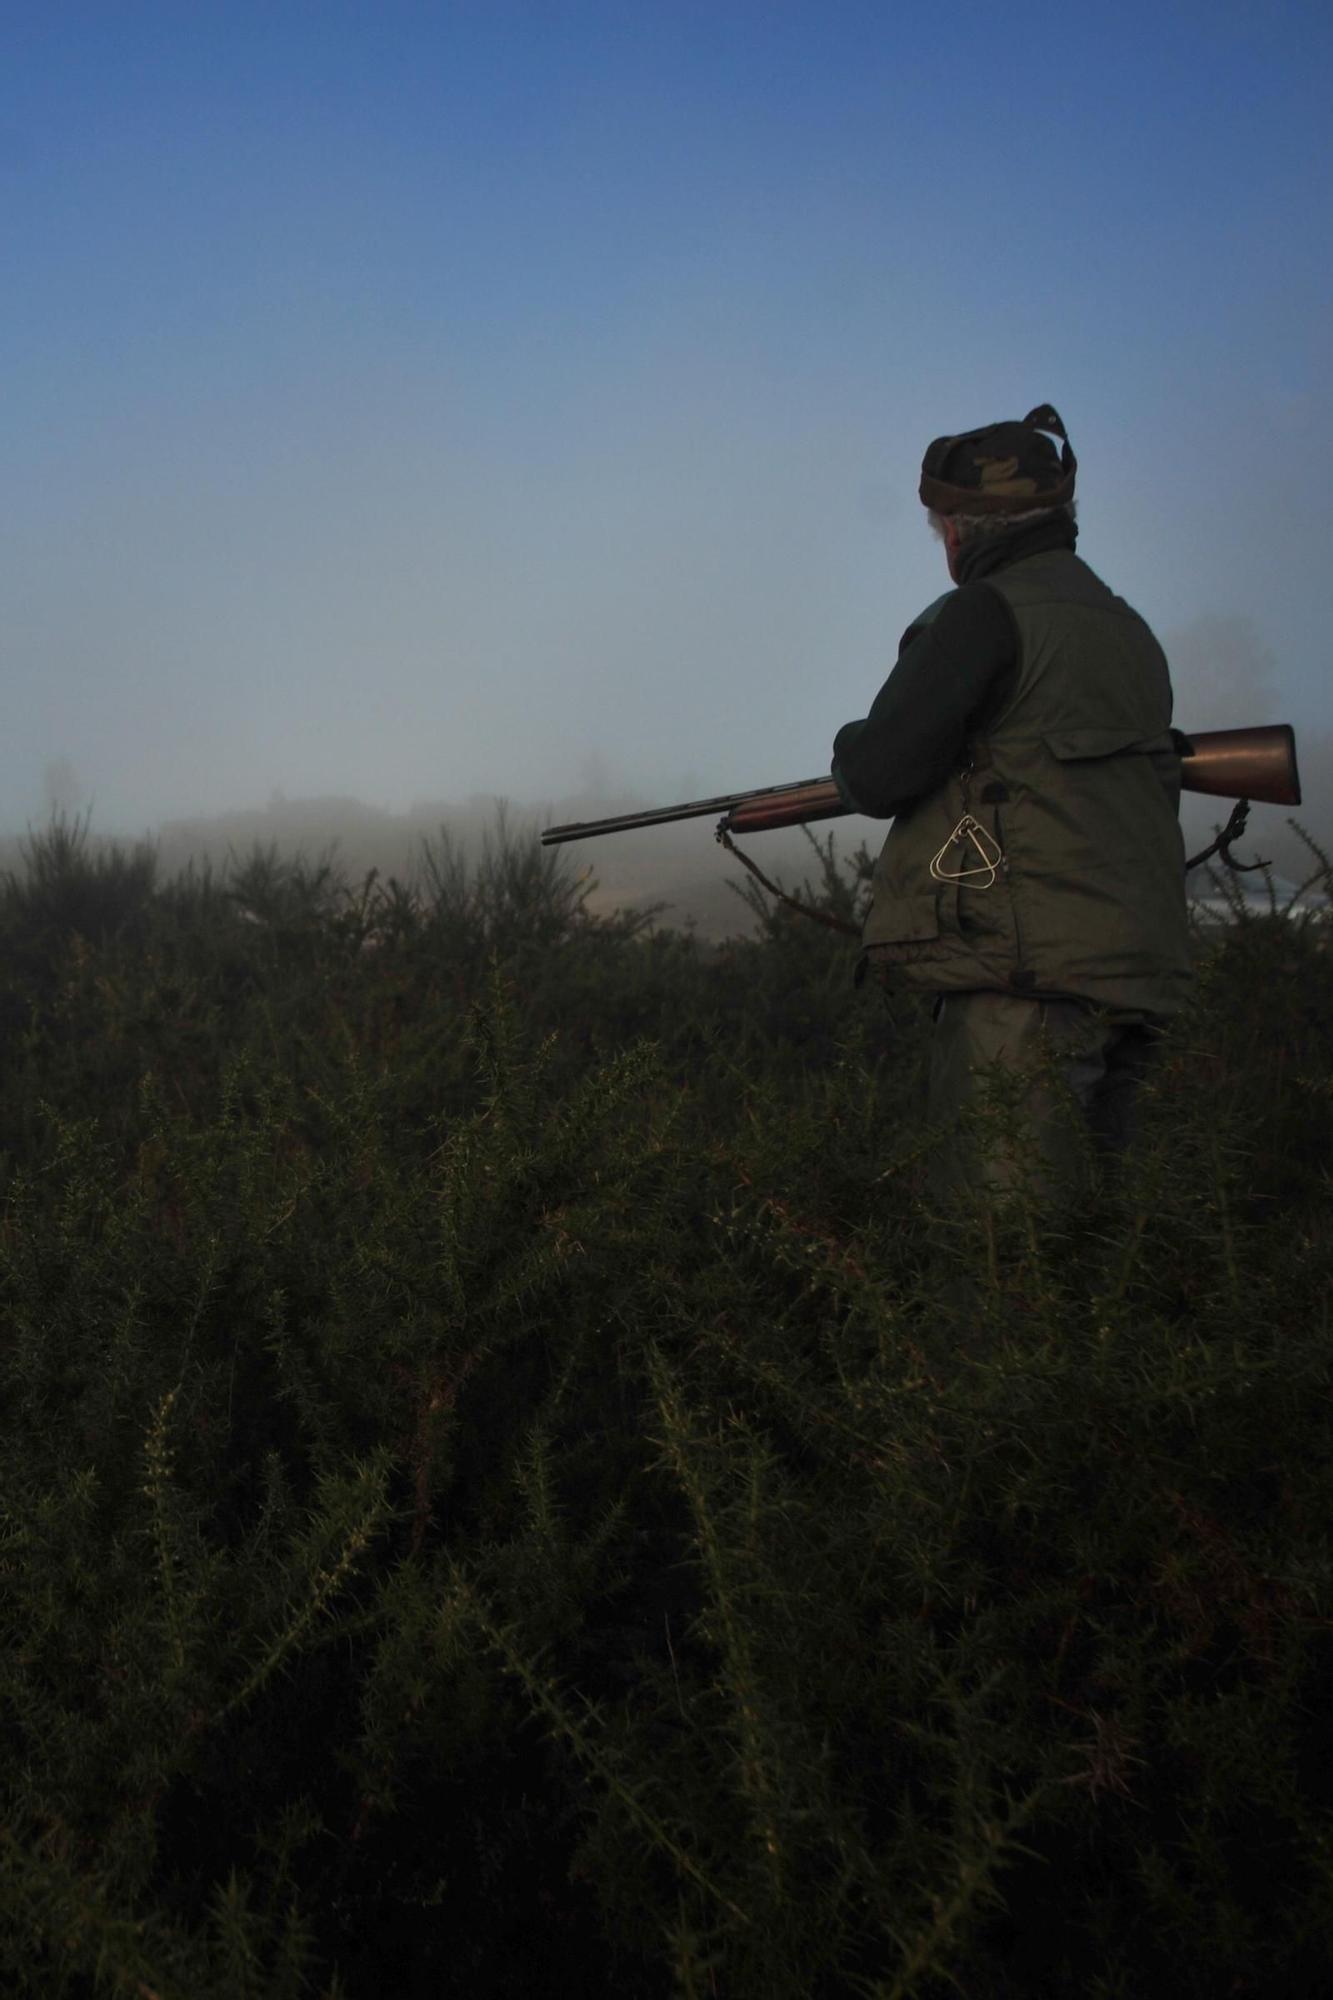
(507, 1482)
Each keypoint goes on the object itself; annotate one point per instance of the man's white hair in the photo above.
(979, 527)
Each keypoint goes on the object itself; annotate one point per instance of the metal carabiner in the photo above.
(984, 844)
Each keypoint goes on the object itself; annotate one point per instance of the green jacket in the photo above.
(1077, 886)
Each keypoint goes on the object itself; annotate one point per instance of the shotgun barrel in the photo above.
(1223, 763)
(584, 829)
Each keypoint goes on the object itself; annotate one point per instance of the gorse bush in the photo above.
(71, 887)
(509, 1483)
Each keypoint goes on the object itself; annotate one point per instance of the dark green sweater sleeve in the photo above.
(950, 675)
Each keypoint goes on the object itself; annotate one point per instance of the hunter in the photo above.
(1033, 877)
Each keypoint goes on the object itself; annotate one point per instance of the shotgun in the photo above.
(1244, 764)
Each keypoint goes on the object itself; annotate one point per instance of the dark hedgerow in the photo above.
(508, 1485)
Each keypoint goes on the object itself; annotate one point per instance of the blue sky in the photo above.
(413, 401)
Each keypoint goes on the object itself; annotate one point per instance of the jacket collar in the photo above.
(991, 552)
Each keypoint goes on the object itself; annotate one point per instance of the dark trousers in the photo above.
(1031, 1093)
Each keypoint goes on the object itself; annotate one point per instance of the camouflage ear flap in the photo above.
(1047, 418)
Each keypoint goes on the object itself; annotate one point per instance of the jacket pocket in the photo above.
(912, 919)
(1070, 746)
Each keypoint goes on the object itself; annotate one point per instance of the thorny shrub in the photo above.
(508, 1482)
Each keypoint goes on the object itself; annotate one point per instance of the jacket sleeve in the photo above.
(949, 675)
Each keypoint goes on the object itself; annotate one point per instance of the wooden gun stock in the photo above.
(1243, 764)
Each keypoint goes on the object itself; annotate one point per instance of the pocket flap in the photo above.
(904, 919)
(1071, 744)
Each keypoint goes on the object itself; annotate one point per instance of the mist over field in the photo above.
(1224, 677)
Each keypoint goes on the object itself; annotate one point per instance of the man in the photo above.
(1033, 878)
